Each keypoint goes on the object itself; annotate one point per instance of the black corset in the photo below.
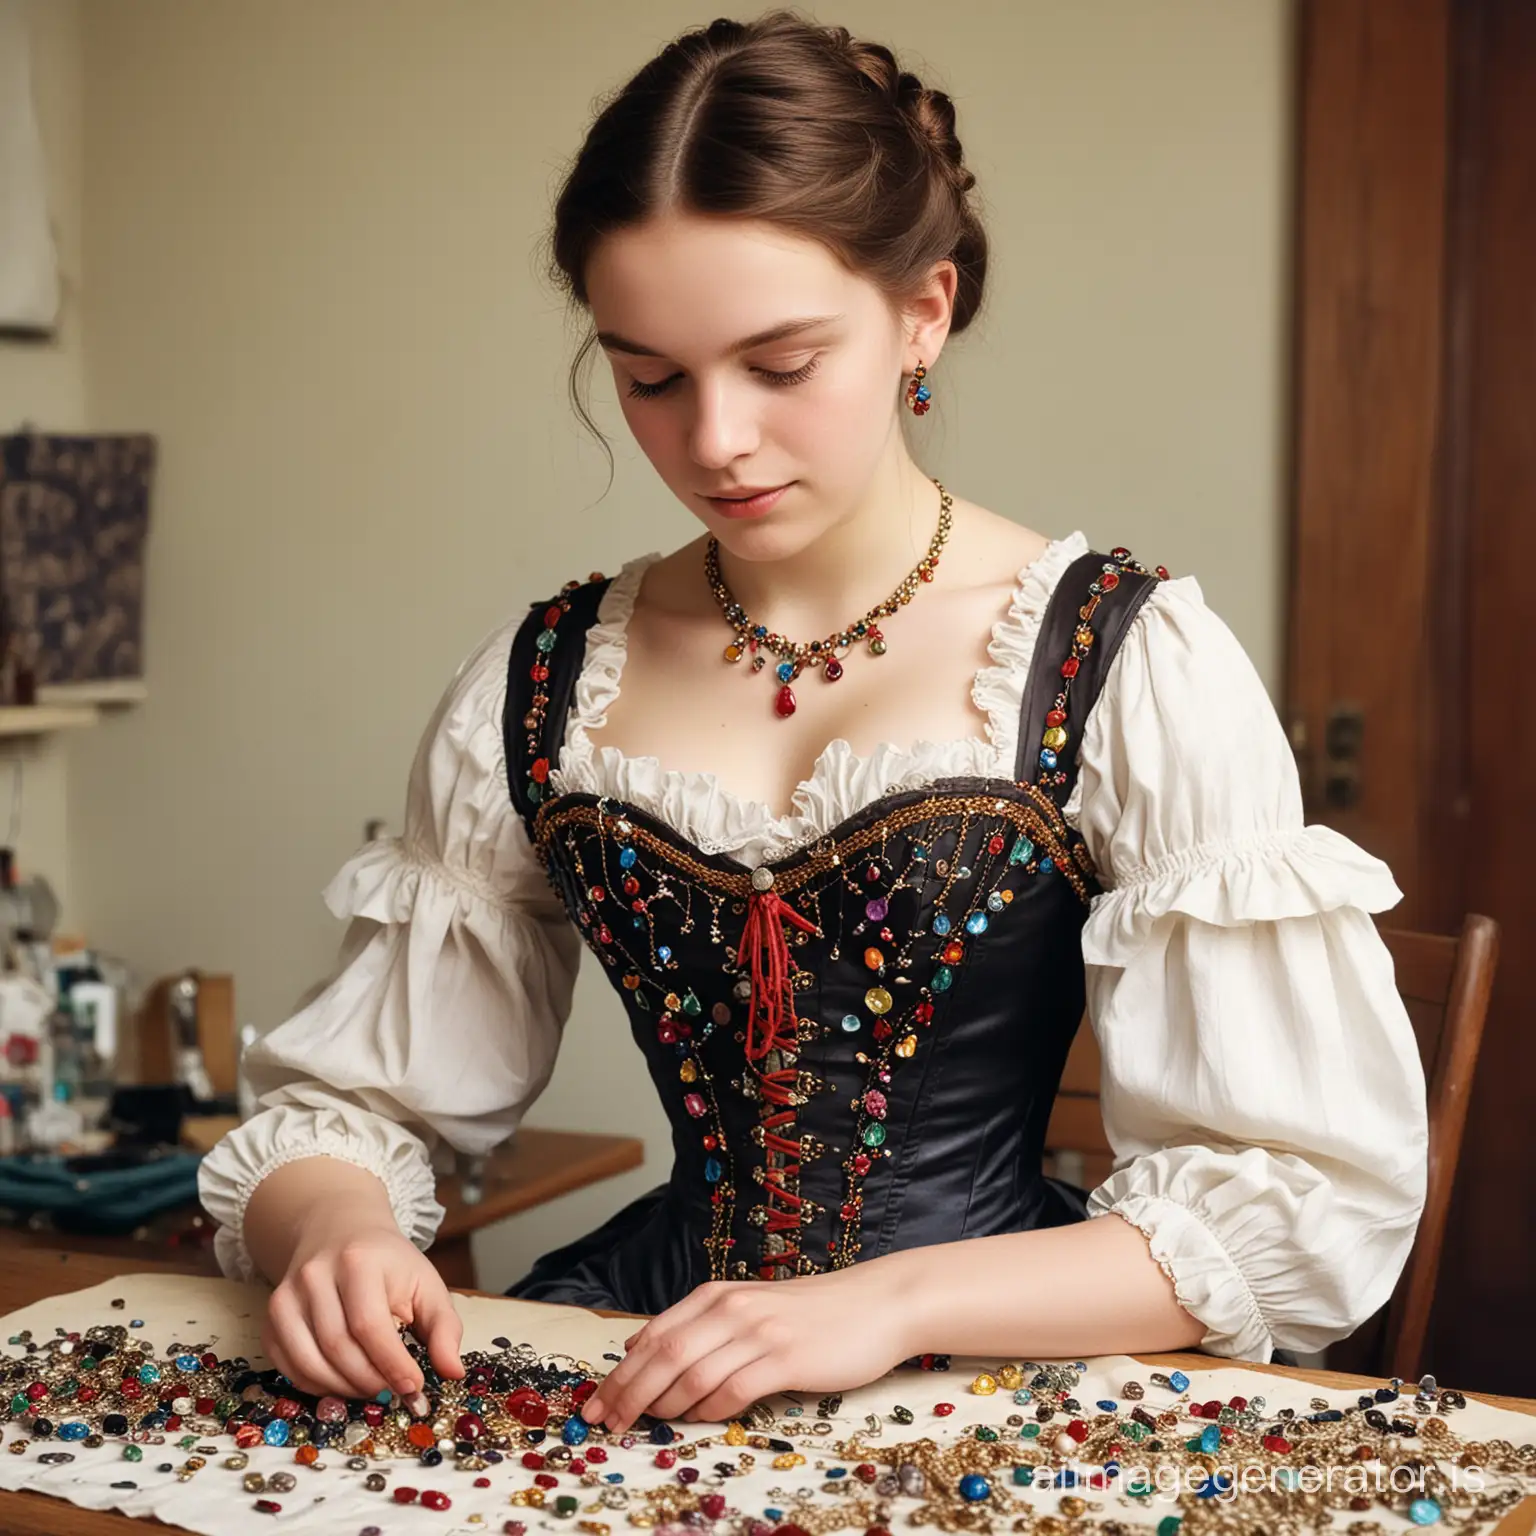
(857, 1045)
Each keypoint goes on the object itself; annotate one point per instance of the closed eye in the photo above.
(643, 391)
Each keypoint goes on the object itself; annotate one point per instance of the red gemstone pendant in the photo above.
(785, 704)
(833, 669)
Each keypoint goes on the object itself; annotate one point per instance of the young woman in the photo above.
(858, 798)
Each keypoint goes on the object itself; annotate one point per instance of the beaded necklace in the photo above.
(827, 653)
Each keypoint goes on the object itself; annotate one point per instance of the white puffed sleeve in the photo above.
(1262, 1089)
(456, 973)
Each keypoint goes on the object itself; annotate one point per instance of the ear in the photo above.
(928, 314)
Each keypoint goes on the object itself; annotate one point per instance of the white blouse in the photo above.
(1262, 1087)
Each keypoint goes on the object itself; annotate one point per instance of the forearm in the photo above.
(1090, 1288)
(293, 1198)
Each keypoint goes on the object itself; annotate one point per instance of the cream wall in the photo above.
(310, 232)
(43, 382)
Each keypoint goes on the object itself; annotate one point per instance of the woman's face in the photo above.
(675, 299)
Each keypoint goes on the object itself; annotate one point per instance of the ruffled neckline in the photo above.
(706, 813)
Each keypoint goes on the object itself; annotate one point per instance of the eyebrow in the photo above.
(613, 342)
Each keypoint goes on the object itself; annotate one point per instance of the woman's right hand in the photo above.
(349, 1277)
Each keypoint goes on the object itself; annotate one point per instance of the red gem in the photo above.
(373, 1414)
(865, 1472)
(434, 1498)
(596, 1453)
(576, 1467)
(173, 1421)
(710, 1144)
(994, 844)
(1056, 717)
(539, 772)
(468, 1426)
(247, 1436)
(482, 1482)
(713, 1505)
(1078, 1430)
(926, 572)
(1110, 581)
(90, 1394)
(210, 1360)
(1119, 552)
(268, 1507)
(286, 1408)
(205, 1405)
(1069, 667)
(38, 1391)
(604, 935)
(861, 1164)
(883, 1030)
(666, 1458)
(849, 1212)
(943, 1409)
(1277, 1443)
(784, 706)
(547, 1480)
(553, 615)
(1239, 1403)
(533, 1460)
(129, 1389)
(631, 886)
(1211, 1409)
(923, 1013)
(539, 672)
(1162, 571)
(513, 1528)
(405, 1495)
(833, 669)
(582, 1391)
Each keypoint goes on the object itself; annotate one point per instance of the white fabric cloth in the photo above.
(1262, 1087)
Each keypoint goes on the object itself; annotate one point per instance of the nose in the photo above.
(724, 425)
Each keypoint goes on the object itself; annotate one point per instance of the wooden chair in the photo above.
(1445, 982)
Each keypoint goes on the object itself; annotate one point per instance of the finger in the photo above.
(372, 1321)
(707, 1379)
(306, 1367)
(437, 1325)
(330, 1321)
(743, 1387)
(695, 1303)
(653, 1369)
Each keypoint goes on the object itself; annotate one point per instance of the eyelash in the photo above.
(649, 391)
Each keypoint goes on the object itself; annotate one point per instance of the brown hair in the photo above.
(790, 122)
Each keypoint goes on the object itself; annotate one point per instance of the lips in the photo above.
(743, 505)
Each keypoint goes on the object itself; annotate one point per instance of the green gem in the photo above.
(874, 1134)
(19, 1403)
(1139, 1489)
(546, 641)
(535, 791)
(983, 1433)
(89, 1363)
(1168, 1525)
(566, 1504)
(943, 979)
(226, 1406)
(1023, 851)
(15, 1338)
(187, 1442)
(69, 1387)
(1024, 1476)
(132, 1453)
(1134, 1431)
(692, 1006)
(1030, 1432)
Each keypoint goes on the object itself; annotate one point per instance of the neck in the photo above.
(851, 567)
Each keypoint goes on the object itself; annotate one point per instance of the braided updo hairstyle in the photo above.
(789, 122)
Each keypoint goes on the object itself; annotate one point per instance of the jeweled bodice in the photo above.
(857, 1046)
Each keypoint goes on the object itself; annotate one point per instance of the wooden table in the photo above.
(535, 1167)
(34, 1272)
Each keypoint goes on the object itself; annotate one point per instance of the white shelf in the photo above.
(38, 719)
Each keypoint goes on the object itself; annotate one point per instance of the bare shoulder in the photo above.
(989, 550)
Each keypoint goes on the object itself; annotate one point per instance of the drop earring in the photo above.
(918, 395)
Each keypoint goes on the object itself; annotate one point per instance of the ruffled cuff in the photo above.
(1206, 1281)
(1284, 873)
(229, 1174)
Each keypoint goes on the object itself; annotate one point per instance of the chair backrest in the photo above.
(1445, 982)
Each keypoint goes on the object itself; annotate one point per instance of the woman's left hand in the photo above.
(729, 1343)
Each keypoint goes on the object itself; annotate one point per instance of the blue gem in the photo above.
(1023, 851)
(661, 1434)
(1179, 1381)
(974, 1488)
(1421, 1511)
(1107, 1404)
(833, 1472)
(919, 854)
(74, 1430)
(712, 1170)
(785, 671)
(942, 979)
(995, 902)
(1047, 864)
(575, 1429)
(976, 923)
(852, 1023)
(187, 1364)
(773, 1514)
(941, 925)
(1023, 1395)
(627, 858)
(1047, 758)
(664, 953)
(1210, 1438)
(761, 631)
(1212, 1487)
(149, 1374)
(276, 1433)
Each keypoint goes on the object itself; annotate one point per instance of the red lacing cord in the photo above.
(771, 1025)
